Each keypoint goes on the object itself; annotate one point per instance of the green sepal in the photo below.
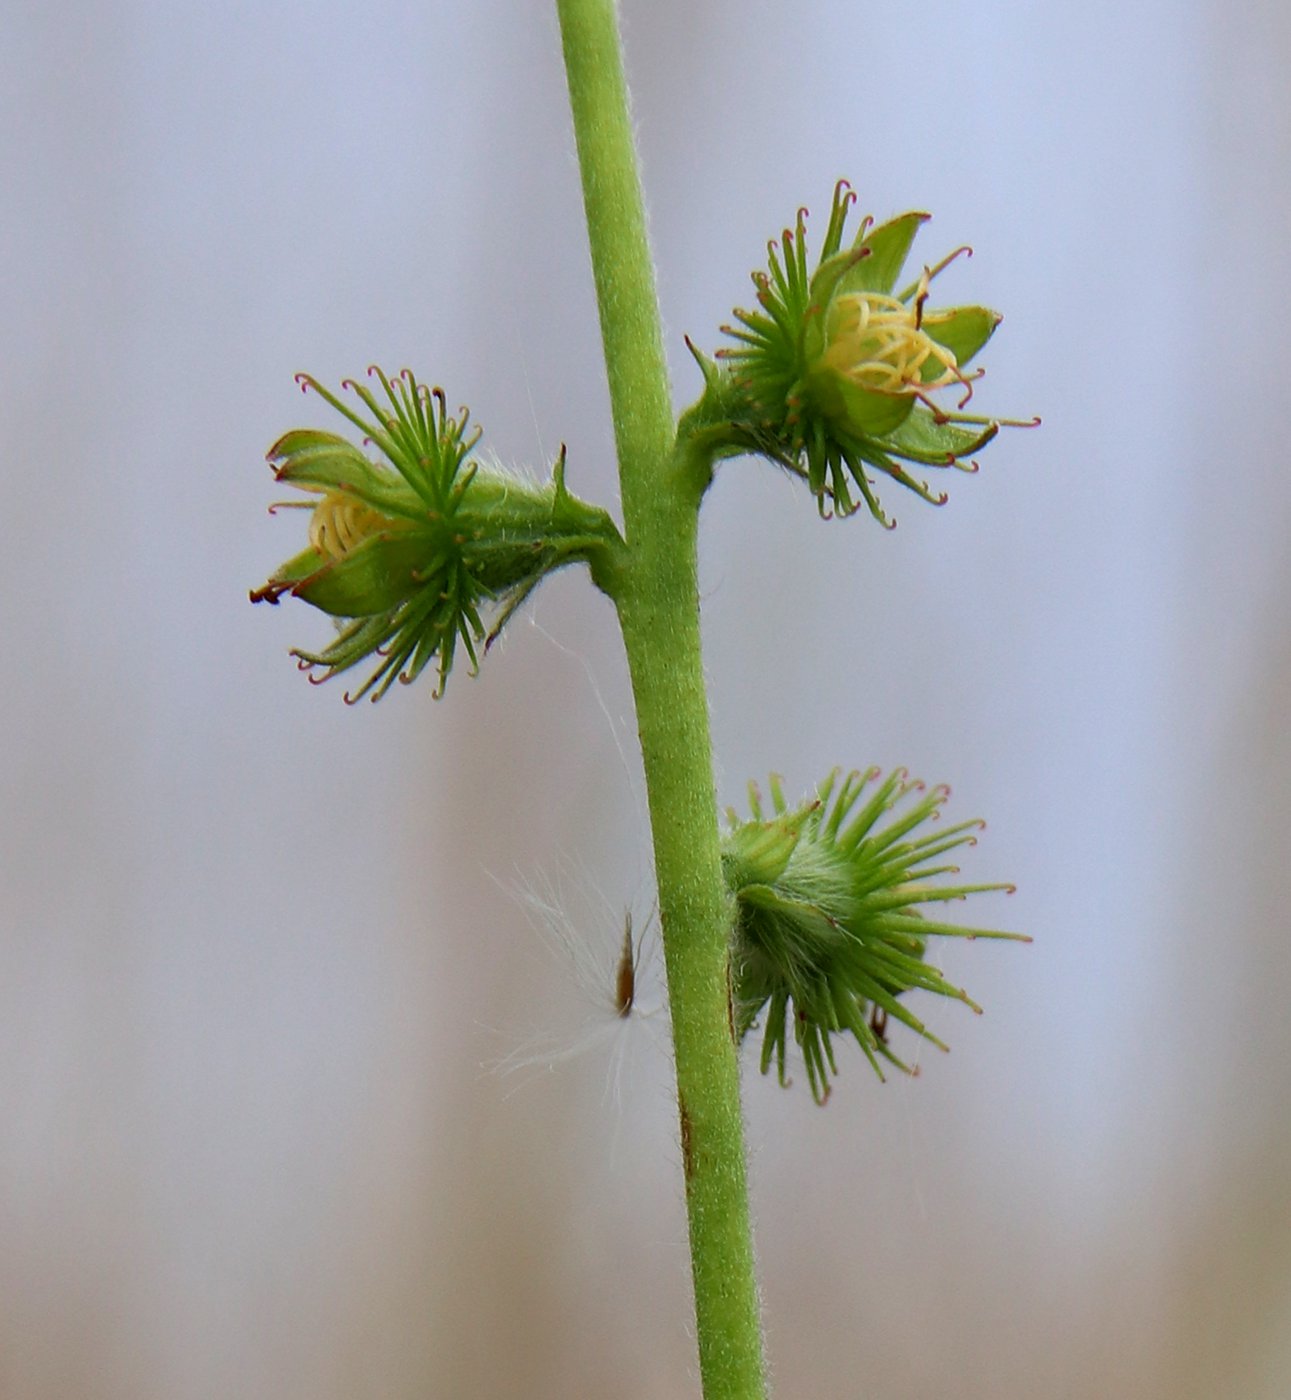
(312, 457)
(758, 852)
(963, 330)
(833, 276)
(921, 438)
(308, 458)
(887, 247)
(287, 576)
(869, 412)
(375, 577)
(872, 264)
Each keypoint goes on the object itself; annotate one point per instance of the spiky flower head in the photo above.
(410, 551)
(836, 900)
(837, 372)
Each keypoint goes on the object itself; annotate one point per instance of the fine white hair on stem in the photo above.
(612, 959)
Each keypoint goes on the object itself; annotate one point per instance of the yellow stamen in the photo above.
(880, 344)
(341, 522)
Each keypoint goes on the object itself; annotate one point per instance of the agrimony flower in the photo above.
(836, 900)
(410, 551)
(837, 371)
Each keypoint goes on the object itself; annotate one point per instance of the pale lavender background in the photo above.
(252, 962)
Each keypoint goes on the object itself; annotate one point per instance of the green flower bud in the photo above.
(837, 371)
(833, 915)
(408, 553)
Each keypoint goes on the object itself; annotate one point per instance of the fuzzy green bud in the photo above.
(834, 909)
(408, 553)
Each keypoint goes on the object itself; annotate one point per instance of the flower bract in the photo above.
(841, 371)
(410, 551)
(836, 901)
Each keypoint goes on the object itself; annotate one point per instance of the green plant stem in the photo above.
(657, 596)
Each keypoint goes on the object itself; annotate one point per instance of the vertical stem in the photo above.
(658, 603)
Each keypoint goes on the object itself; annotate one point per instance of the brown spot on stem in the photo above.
(687, 1147)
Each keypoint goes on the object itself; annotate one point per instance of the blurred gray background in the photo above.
(259, 951)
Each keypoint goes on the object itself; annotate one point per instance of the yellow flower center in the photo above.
(879, 343)
(341, 522)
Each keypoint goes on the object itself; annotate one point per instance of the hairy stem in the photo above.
(658, 603)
